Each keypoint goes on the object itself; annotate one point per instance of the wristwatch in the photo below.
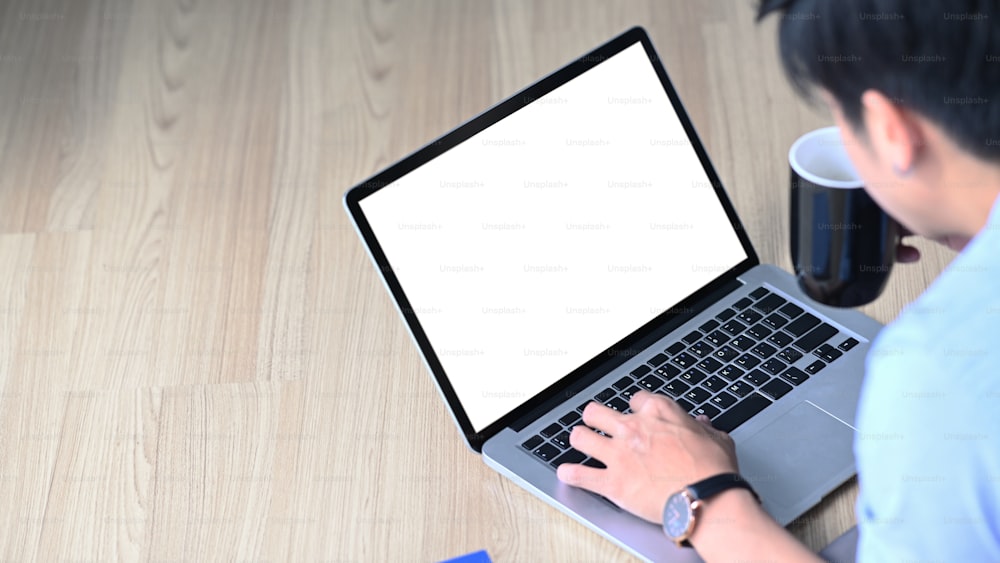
(680, 513)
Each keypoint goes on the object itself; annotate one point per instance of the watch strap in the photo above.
(708, 488)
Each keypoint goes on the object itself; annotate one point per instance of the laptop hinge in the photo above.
(623, 356)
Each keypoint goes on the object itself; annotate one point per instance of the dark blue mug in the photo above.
(843, 243)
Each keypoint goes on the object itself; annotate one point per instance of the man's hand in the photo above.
(908, 254)
(650, 454)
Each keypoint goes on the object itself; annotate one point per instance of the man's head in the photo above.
(915, 89)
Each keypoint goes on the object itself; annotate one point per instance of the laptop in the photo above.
(572, 244)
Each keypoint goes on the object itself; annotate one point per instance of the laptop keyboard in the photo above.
(734, 366)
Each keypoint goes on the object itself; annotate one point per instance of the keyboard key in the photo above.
(760, 331)
(571, 456)
(734, 327)
(747, 361)
(780, 339)
(731, 372)
(675, 388)
(570, 419)
(717, 338)
(591, 462)
(547, 452)
(828, 353)
(709, 365)
(651, 382)
(709, 326)
(769, 304)
(697, 395)
(702, 349)
(628, 393)
(848, 344)
(815, 367)
(764, 350)
(740, 388)
(725, 315)
(790, 355)
(741, 412)
(790, 310)
(742, 304)
(757, 377)
(583, 406)
(667, 371)
(776, 389)
(640, 371)
(707, 410)
(794, 376)
(618, 404)
(802, 325)
(685, 404)
(533, 442)
(692, 337)
(774, 366)
(657, 360)
(606, 394)
(744, 343)
(675, 348)
(759, 292)
(726, 354)
(622, 383)
(815, 337)
(693, 376)
(723, 400)
(714, 384)
(749, 316)
(775, 321)
(561, 439)
(551, 430)
(685, 360)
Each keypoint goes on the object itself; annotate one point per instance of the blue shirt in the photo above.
(928, 441)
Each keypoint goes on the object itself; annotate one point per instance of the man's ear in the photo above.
(894, 134)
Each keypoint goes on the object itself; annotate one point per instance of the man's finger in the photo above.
(603, 418)
(585, 477)
(590, 442)
(907, 254)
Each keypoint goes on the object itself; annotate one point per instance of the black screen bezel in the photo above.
(621, 350)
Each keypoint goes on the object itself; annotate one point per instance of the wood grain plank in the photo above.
(32, 424)
(52, 315)
(16, 252)
(43, 140)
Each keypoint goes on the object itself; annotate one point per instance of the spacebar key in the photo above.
(741, 412)
(816, 336)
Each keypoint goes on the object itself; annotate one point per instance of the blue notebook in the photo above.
(474, 557)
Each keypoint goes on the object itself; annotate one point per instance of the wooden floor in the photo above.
(197, 360)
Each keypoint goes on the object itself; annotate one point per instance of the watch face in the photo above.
(677, 516)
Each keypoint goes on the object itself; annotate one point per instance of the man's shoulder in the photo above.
(940, 358)
(953, 322)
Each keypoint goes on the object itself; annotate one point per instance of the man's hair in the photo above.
(939, 58)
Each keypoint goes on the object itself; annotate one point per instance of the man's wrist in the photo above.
(720, 514)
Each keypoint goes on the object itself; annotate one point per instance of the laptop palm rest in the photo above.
(793, 461)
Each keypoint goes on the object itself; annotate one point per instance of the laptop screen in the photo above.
(541, 241)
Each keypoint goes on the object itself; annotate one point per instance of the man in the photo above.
(915, 90)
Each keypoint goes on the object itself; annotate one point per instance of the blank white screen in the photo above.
(553, 234)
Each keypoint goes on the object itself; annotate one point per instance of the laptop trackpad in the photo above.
(795, 457)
